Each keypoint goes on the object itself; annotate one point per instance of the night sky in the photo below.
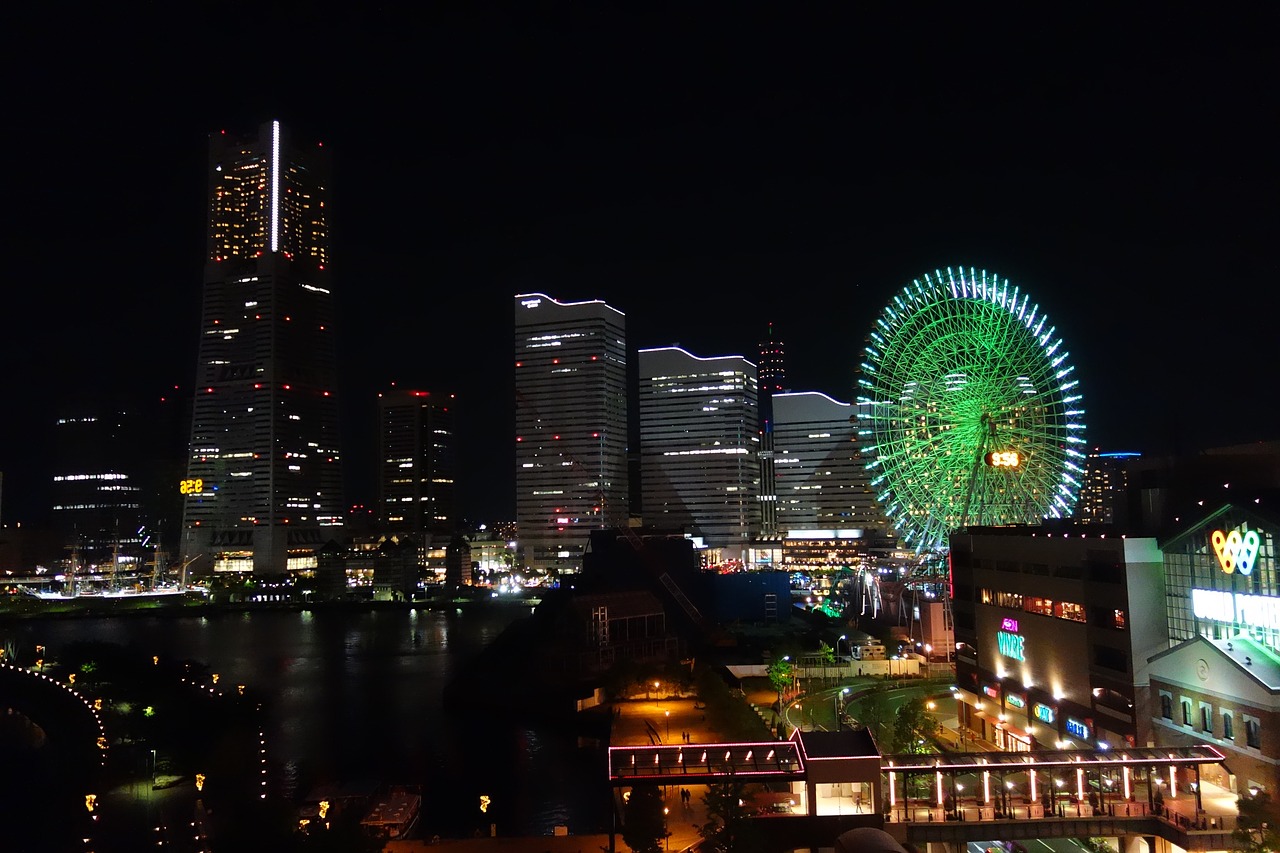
(705, 168)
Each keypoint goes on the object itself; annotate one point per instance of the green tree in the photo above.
(873, 714)
(728, 829)
(1255, 830)
(914, 727)
(644, 823)
(781, 672)
(826, 653)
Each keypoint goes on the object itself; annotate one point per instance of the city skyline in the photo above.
(705, 175)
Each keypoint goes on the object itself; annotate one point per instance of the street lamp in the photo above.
(667, 714)
(666, 833)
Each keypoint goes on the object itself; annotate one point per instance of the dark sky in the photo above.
(705, 168)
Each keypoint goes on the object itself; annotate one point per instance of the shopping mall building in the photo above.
(1070, 636)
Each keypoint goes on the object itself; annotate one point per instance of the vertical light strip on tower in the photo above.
(275, 186)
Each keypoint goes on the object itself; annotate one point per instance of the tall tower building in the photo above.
(772, 375)
(1105, 492)
(571, 427)
(699, 442)
(417, 457)
(97, 494)
(264, 472)
(822, 480)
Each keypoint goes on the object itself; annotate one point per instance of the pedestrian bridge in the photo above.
(837, 780)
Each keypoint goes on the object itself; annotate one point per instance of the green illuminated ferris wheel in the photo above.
(969, 409)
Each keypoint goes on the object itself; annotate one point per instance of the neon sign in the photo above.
(1077, 728)
(993, 692)
(1009, 625)
(1236, 550)
(1013, 700)
(193, 486)
(1010, 645)
(1043, 713)
(1258, 611)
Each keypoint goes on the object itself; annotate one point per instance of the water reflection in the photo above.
(358, 695)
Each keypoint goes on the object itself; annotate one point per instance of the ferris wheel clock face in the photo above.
(969, 408)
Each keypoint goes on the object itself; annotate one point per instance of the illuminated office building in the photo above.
(771, 375)
(571, 427)
(699, 440)
(97, 496)
(416, 463)
(1105, 489)
(822, 479)
(264, 483)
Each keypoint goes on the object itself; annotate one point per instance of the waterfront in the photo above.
(358, 695)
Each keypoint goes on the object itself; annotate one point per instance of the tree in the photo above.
(914, 726)
(826, 653)
(1255, 830)
(644, 823)
(873, 713)
(729, 826)
(781, 672)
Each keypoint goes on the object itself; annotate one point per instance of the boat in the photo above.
(394, 813)
(110, 583)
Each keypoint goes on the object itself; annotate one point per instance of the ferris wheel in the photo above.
(969, 408)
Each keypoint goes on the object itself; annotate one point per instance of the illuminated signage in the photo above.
(1077, 728)
(191, 487)
(1043, 713)
(1010, 645)
(1238, 608)
(1003, 459)
(1009, 625)
(1236, 550)
(1013, 700)
(993, 692)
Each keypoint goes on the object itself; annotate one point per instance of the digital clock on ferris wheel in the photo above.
(1003, 459)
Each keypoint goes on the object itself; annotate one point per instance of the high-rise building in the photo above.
(264, 477)
(571, 427)
(772, 375)
(96, 491)
(822, 480)
(1105, 490)
(699, 440)
(416, 464)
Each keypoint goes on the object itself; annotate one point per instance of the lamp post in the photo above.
(666, 833)
(840, 705)
(667, 714)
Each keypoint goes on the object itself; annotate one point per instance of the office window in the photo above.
(1120, 620)
(1166, 706)
(1186, 712)
(1252, 733)
(1227, 732)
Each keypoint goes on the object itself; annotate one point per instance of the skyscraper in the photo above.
(264, 483)
(416, 463)
(571, 427)
(822, 481)
(772, 376)
(699, 439)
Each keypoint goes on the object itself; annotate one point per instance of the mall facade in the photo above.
(1068, 637)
